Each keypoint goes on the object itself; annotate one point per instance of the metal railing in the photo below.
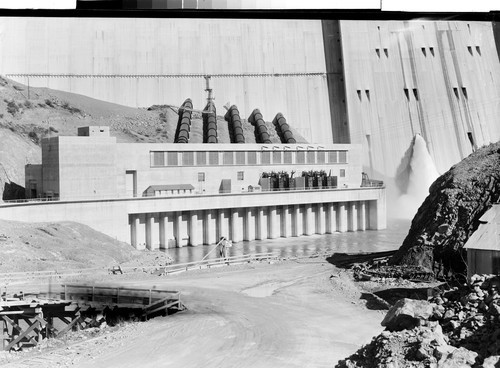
(19, 278)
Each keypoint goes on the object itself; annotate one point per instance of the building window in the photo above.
(311, 157)
(213, 158)
(265, 158)
(300, 158)
(367, 93)
(455, 91)
(464, 91)
(241, 175)
(378, 52)
(172, 159)
(407, 94)
(431, 49)
(343, 157)
(332, 157)
(201, 158)
(158, 158)
(201, 176)
(415, 93)
(320, 157)
(386, 52)
(188, 158)
(227, 158)
(342, 173)
(277, 157)
(252, 157)
(478, 50)
(469, 48)
(240, 157)
(424, 52)
(359, 94)
(287, 157)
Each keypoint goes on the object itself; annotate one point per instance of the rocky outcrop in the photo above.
(450, 213)
(459, 327)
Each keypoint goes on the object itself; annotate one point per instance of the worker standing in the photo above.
(222, 247)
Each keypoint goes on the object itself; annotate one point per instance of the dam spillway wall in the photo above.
(227, 47)
(440, 79)
(377, 83)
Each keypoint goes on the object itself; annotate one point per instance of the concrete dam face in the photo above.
(377, 83)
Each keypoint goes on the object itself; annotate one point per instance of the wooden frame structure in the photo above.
(26, 320)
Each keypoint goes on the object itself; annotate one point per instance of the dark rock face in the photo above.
(450, 213)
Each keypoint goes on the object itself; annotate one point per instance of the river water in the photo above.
(348, 242)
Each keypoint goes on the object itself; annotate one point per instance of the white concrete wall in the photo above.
(138, 220)
(389, 120)
(178, 46)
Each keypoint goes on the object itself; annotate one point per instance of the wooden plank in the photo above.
(23, 334)
(69, 326)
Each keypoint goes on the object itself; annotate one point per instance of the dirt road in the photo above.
(283, 315)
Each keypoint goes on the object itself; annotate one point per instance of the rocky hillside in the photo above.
(29, 114)
(459, 327)
(450, 213)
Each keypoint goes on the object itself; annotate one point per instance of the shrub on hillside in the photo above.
(34, 137)
(28, 104)
(49, 103)
(71, 109)
(12, 107)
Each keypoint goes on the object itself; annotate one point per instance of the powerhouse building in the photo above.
(163, 195)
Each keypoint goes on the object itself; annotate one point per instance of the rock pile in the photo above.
(459, 327)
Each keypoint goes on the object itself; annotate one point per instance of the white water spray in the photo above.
(422, 174)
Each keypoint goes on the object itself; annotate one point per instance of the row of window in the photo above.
(414, 92)
(431, 49)
(204, 158)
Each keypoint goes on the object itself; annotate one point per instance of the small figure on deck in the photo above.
(223, 245)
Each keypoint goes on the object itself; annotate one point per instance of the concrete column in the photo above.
(155, 232)
(362, 215)
(177, 229)
(295, 220)
(377, 213)
(308, 220)
(223, 223)
(134, 225)
(162, 219)
(210, 230)
(249, 225)
(329, 227)
(286, 221)
(195, 228)
(149, 229)
(237, 227)
(352, 216)
(272, 221)
(320, 219)
(141, 231)
(342, 218)
(261, 224)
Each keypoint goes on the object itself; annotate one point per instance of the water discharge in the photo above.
(422, 173)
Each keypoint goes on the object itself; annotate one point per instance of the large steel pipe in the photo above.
(256, 119)
(210, 124)
(184, 122)
(285, 133)
(233, 118)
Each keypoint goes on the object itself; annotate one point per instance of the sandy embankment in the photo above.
(288, 314)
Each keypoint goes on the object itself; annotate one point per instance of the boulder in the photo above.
(407, 314)
(492, 361)
(458, 358)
